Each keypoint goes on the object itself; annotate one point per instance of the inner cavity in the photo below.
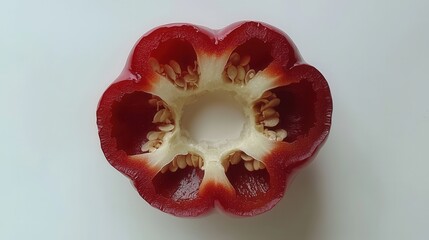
(176, 60)
(258, 51)
(178, 49)
(247, 60)
(179, 186)
(216, 119)
(248, 184)
(130, 123)
(299, 115)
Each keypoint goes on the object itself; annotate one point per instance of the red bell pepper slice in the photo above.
(142, 117)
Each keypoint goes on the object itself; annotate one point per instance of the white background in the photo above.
(370, 181)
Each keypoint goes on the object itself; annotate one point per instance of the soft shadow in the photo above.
(294, 217)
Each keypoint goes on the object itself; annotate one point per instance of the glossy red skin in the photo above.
(286, 158)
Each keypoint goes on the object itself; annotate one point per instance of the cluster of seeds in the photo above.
(250, 163)
(164, 121)
(238, 69)
(267, 117)
(182, 161)
(185, 79)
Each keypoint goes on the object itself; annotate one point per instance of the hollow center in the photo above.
(214, 120)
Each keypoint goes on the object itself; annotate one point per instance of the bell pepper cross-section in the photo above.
(203, 117)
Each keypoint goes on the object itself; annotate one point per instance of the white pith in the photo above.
(213, 79)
